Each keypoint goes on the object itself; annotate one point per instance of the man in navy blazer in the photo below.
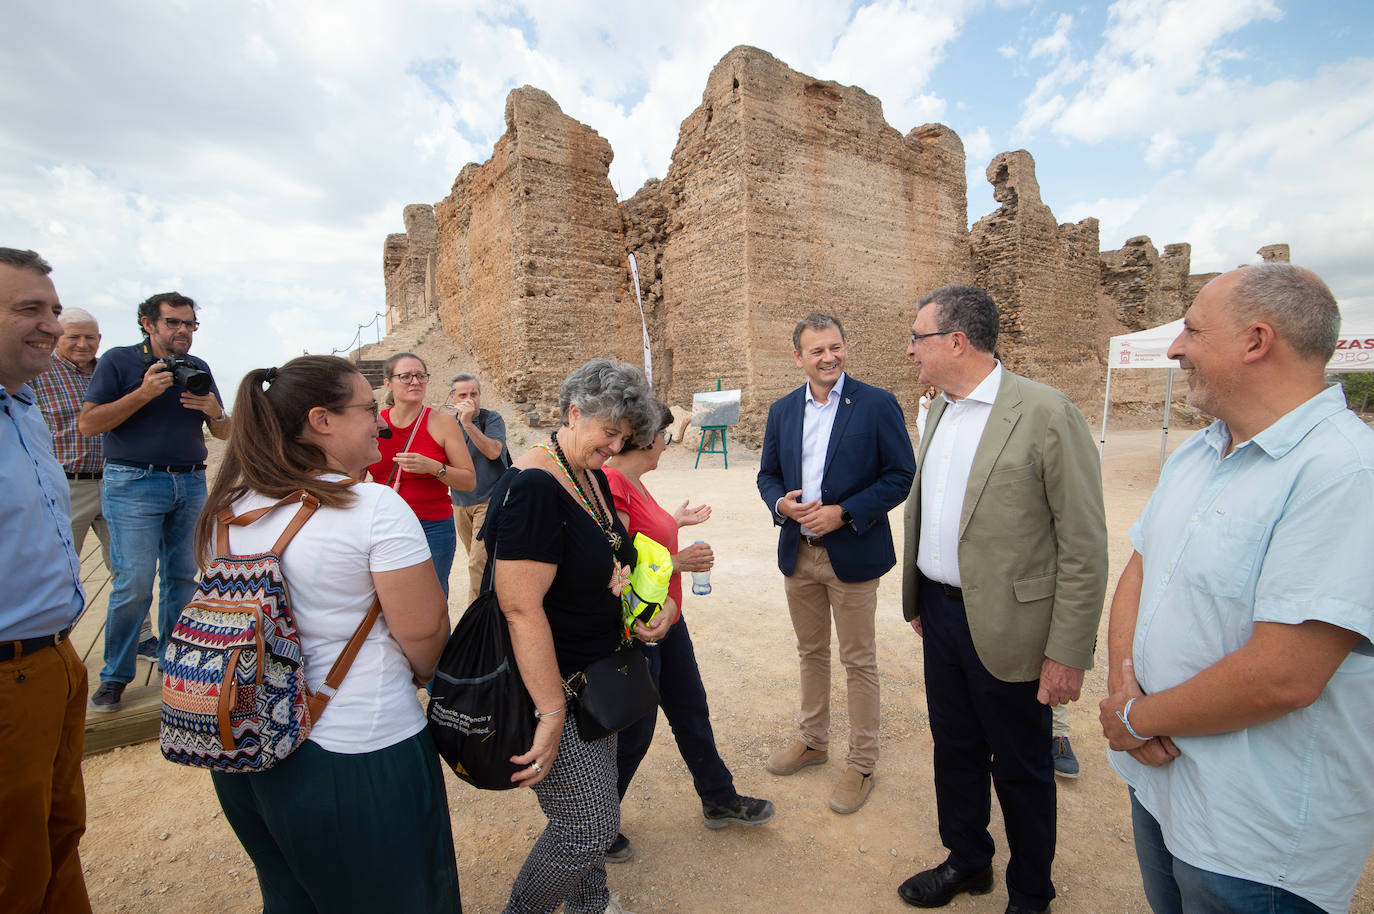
(836, 459)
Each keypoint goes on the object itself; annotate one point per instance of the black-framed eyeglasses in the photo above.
(176, 323)
(407, 377)
(922, 336)
(370, 406)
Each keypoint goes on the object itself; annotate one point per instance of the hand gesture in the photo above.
(208, 404)
(686, 517)
(465, 411)
(419, 464)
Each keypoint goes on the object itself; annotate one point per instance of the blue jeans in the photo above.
(1175, 887)
(673, 665)
(442, 537)
(152, 517)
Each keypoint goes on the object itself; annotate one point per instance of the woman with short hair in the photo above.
(562, 557)
(356, 819)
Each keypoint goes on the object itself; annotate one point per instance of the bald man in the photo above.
(1240, 664)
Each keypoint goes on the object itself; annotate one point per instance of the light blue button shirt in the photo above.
(818, 419)
(1280, 530)
(38, 563)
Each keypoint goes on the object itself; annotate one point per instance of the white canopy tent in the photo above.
(1149, 349)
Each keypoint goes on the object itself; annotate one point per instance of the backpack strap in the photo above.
(226, 519)
(319, 698)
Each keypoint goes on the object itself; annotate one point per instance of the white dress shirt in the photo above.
(817, 421)
(944, 478)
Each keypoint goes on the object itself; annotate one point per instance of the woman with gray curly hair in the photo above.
(561, 557)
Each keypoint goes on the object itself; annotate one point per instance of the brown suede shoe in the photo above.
(795, 757)
(851, 791)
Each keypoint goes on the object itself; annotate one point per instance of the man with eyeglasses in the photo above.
(154, 483)
(1004, 572)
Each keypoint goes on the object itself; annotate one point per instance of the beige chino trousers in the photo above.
(815, 596)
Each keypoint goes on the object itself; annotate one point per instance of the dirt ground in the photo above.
(155, 832)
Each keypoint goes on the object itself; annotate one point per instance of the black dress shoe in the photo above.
(1022, 909)
(937, 888)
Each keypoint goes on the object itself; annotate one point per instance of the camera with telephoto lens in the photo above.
(187, 375)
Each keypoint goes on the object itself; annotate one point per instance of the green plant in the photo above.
(1359, 389)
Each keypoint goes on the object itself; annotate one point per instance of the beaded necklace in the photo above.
(603, 520)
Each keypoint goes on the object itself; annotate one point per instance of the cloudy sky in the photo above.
(254, 153)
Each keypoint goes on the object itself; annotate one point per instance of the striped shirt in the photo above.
(60, 391)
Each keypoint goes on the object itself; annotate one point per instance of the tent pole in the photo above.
(1106, 398)
(1168, 402)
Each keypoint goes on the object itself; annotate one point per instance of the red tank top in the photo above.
(427, 496)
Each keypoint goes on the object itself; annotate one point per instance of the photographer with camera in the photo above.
(151, 401)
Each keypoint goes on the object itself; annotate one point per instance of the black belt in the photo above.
(160, 468)
(954, 593)
(12, 649)
(817, 541)
(83, 475)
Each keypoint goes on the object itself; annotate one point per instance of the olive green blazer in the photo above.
(1032, 536)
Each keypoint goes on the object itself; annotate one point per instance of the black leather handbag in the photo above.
(612, 693)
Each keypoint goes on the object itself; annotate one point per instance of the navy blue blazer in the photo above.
(869, 465)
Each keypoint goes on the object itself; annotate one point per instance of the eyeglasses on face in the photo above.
(411, 377)
(922, 336)
(176, 323)
(370, 406)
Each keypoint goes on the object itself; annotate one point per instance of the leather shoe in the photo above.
(1022, 909)
(937, 887)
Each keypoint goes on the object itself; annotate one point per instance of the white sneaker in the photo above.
(613, 906)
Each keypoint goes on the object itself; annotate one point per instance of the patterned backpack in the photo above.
(234, 696)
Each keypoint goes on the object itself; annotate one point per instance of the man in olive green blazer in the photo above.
(1004, 575)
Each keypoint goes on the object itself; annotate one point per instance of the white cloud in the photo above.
(1056, 43)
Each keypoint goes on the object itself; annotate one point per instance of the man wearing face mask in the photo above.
(151, 400)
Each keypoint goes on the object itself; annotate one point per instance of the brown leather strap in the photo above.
(394, 480)
(339, 670)
(228, 697)
(226, 519)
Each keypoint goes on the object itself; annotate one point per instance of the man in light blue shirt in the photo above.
(1241, 675)
(42, 681)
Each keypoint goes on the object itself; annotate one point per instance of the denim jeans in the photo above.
(152, 517)
(673, 665)
(1175, 887)
(443, 542)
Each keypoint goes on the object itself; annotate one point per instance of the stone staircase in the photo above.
(372, 369)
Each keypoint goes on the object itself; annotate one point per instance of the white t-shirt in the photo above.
(329, 566)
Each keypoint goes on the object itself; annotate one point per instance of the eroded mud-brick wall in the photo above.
(408, 266)
(530, 254)
(787, 195)
(1044, 278)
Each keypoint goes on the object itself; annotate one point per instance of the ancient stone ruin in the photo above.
(785, 195)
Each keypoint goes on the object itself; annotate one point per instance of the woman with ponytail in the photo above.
(356, 819)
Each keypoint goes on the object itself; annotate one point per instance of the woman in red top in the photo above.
(422, 460)
(672, 661)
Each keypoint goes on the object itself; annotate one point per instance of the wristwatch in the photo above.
(846, 518)
(442, 470)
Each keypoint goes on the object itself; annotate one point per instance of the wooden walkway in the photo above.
(137, 719)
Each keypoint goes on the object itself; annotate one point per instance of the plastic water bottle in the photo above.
(701, 582)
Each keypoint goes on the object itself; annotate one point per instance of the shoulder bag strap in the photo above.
(395, 480)
(318, 699)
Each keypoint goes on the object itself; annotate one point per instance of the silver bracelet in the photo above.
(542, 714)
(1124, 715)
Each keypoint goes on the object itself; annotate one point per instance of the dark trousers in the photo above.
(335, 832)
(986, 729)
(682, 697)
